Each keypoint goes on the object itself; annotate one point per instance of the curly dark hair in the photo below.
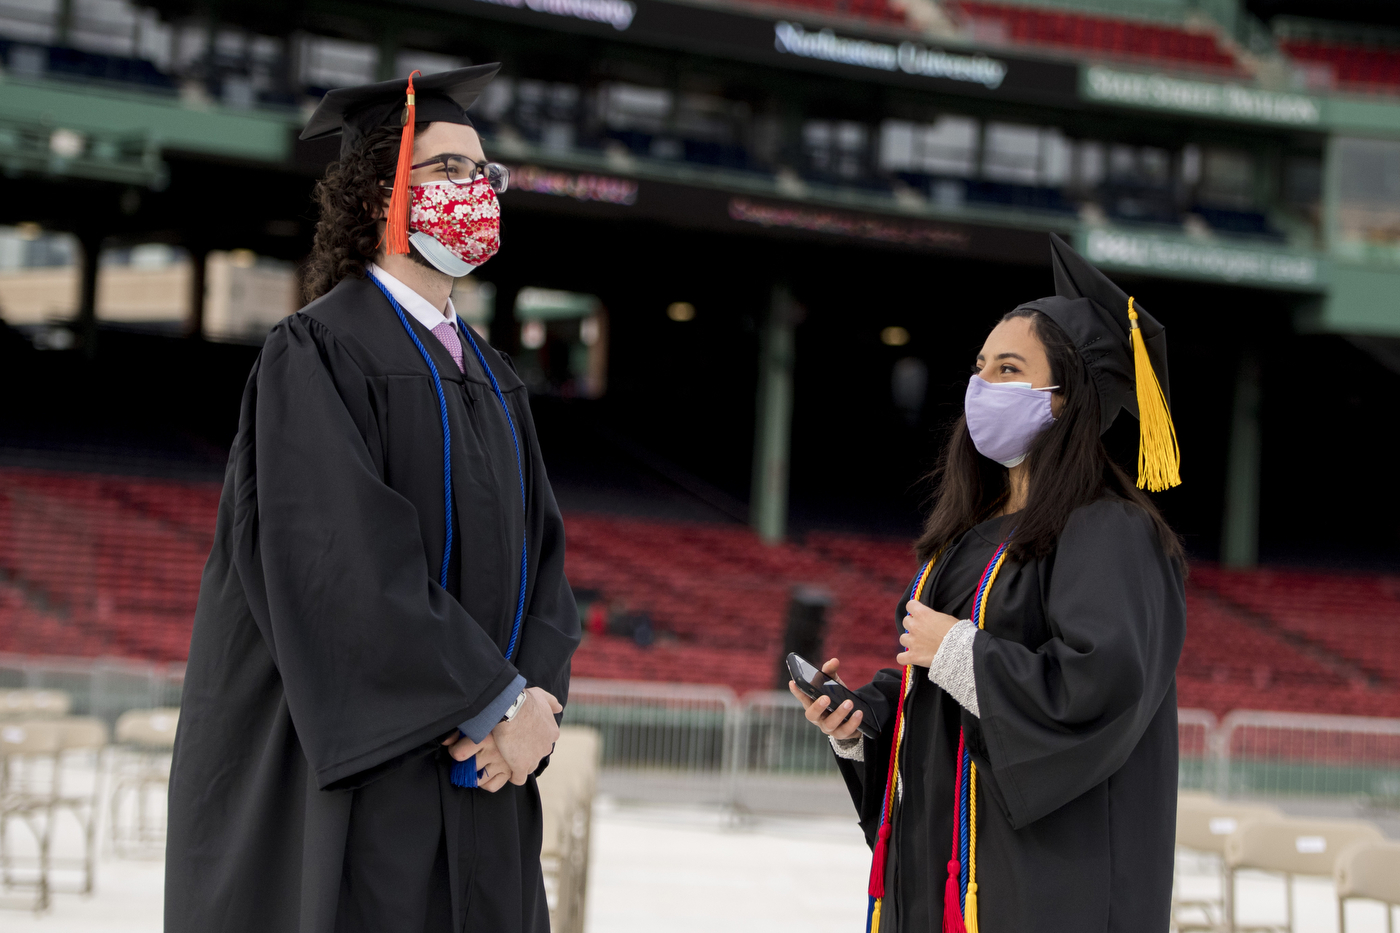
(347, 235)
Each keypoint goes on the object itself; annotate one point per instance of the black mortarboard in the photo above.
(1101, 321)
(356, 111)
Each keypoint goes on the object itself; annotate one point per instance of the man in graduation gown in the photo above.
(378, 604)
(1066, 697)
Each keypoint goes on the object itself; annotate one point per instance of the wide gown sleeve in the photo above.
(1061, 718)
(375, 657)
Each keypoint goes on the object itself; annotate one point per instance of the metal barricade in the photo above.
(101, 687)
(1303, 755)
(782, 763)
(666, 742)
(1197, 754)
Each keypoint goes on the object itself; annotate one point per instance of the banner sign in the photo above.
(846, 224)
(1202, 98)
(1186, 259)
(908, 57)
(847, 51)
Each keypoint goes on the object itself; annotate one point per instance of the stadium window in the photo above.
(948, 146)
(496, 101)
(38, 275)
(1089, 164)
(1227, 179)
(330, 63)
(837, 149)
(1056, 158)
(1191, 166)
(1368, 197)
(635, 108)
(1012, 153)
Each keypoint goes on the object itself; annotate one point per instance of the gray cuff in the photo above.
(952, 666)
(852, 749)
(479, 726)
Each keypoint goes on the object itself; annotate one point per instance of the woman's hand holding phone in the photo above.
(819, 714)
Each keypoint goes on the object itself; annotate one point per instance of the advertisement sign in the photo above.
(1202, 98)
(1195, 260)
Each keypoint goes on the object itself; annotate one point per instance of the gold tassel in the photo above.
(875, 917)
(970, 923)
(1159, 457)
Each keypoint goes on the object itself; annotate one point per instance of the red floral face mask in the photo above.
(466, 219)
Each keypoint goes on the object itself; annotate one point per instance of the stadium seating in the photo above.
(1354, 67)
(1098, 35)
(882, 11)
(102, 565)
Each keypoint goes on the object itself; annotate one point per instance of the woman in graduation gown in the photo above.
(1059, 688)
(387, 576)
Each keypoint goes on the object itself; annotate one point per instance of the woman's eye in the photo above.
(976, 368)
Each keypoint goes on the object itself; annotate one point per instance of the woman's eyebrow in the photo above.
(1014, 356)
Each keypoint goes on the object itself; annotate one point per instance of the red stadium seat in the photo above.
(100, 565)
(1122, 38)
(1355, 67)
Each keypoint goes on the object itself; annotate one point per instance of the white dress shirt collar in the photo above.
(414, 303)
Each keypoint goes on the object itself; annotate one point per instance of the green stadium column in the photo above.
(199, 287)
(1239, 540)
(91, 244)
(388, 54)
(63, 22)
(773, 425)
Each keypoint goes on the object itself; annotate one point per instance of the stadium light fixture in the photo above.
(894, 336)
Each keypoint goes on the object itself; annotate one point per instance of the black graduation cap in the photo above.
(1125, 350)
(356, 111)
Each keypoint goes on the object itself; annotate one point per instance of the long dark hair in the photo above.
(1067, 467)
(347, 233)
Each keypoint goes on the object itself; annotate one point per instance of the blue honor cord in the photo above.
(464, 773)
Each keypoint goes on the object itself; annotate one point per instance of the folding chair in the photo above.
(1203, 823)
(140, 763)
(29, 764)
(34, 704)
(1369, 870)
(1290, 847)
(82, 740)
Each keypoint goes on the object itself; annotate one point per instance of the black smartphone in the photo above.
(811, 681)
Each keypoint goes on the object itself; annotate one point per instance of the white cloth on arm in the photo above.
(952, 666)
(852, 749)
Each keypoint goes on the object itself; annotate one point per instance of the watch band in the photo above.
(515, 707)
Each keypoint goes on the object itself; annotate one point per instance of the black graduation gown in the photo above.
(1076, 747)
(309, 792)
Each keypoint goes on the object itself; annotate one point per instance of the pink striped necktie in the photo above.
(447, 336)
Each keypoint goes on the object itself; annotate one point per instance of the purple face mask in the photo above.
(1005, 417)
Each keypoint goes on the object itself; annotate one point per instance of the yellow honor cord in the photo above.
(875, 916)
(970, 909)
(970, 906)
(1159, 456)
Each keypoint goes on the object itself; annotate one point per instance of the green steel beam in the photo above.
(209, 129)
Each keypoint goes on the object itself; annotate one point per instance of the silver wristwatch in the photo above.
(515, 707)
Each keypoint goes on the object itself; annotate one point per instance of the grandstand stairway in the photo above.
(96, 565)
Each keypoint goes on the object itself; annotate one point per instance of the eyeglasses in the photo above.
(463, 171)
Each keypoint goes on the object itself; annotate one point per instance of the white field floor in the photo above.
(680, 869)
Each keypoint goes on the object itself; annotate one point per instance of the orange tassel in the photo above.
(877, 864)
(396, 229)
(952, 904)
